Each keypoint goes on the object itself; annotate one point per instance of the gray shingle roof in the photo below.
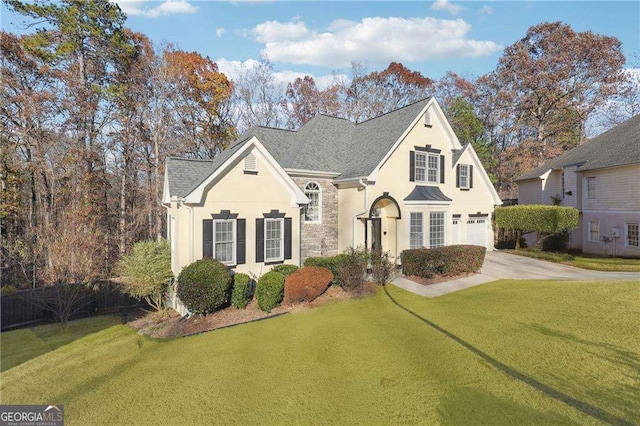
(426, 193)
(327, 144)
(616, 147)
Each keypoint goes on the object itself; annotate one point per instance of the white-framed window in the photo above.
(562, 184)
(224, 241)
(313, 210)
(250, 163)
(464, 176)
(594, 231)
(273, 240)
(591, 187)
(427, 167)
(416, 230)
(436, 229)
(632, 235)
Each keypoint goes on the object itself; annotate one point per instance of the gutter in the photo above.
(366, 209)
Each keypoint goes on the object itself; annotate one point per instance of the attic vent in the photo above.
(427, 119)
(250, 163)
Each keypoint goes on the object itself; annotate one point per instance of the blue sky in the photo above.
(320, 38)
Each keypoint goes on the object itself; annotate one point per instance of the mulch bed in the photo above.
(434, 280)
(171, 324)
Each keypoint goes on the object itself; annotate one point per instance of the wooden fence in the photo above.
(27, 307)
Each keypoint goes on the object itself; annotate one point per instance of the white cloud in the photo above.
(167, 7)
(454, 9)
(274, 31)
(486, 9)
(376, 41)
(220, 32)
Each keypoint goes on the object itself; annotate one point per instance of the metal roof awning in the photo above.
(426, 194)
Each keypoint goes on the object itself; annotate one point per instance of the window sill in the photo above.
(274, 262)
(465, 189)
(313, 222)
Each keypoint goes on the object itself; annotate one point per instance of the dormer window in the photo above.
(427, 166)
(251, 164)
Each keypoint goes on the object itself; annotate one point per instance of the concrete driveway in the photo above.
(498, 265)
(503, 265)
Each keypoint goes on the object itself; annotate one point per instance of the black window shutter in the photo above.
(412, 166)
(442, 169)
(259, 240)
(287, 238)
(458, 176)
(241, 237)
(470, 176)
(207, 238)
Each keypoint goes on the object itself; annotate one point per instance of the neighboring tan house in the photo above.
(601, 178)
(398, 181)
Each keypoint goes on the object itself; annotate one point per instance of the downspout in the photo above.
(300, 236)
(190, 229)
(366, 209)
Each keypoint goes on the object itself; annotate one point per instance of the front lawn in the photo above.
(533, 352)
(611, 264)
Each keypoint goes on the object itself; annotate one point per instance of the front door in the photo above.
(376, 234)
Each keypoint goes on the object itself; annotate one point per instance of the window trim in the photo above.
(586, 190)
(466, 170)
(626, 235)
(444, 228)
(319, 192)
(427, 156)
(597, 222)
(234, 240)
(421, 229)
(281, 257)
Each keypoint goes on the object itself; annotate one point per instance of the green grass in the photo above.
(507, 352)
(22, 345)
(611, 264)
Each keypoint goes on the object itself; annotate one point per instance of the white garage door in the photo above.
(477, 230)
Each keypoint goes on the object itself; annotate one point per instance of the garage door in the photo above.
(477, 232)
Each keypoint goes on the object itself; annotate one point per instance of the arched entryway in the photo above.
(382, 224)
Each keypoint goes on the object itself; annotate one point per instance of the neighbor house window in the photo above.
(427, 167)
(464, 176)
(562, 185)
(416, 231)
(594, 231)
(273, 241)
(632, 235)
(436, 229)
(312, 210)
(224, 236)
(591, 187)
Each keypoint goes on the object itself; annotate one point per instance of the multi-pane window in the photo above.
(427, 167)
(436, 229)
(591, 187)
(416, 234)
(464, 176)
(633, 239)
(312, 210)
(223, 241)
(594, 231)
(273, 241)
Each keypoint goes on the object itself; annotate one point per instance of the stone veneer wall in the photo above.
(321, 239)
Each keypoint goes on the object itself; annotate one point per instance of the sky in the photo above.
(321, 38)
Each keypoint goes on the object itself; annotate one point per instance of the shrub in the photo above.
(556, 242)
(544, 220)
(381, 267)
(241, 293)
(510, 243)
(204, 286)
(285, 270)
(448, 261)
(146, 272)
(269, 290)
(332, 263)
(306, 284)
(352, 268)
(7, 289)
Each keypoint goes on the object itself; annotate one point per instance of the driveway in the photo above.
(498, 265)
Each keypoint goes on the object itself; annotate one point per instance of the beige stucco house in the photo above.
(398, 181)
(601, 178)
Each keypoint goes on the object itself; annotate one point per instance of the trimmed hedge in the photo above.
(269, 290)
(285, 270)
(204, 286)
(539, 218)
(306, 284)
(241, 294)
(332, 263)
(447, 261)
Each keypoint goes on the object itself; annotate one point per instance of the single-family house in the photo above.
(601, 178)
(398, 181)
